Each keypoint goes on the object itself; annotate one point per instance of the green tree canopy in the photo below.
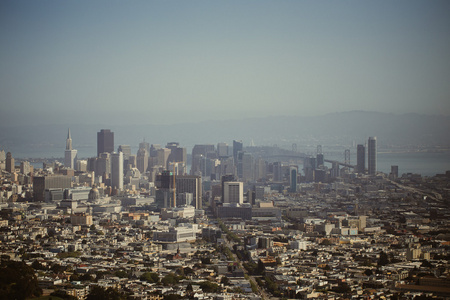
(100, 293)
(17, 281)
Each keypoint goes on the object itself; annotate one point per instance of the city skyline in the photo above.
(173, 62)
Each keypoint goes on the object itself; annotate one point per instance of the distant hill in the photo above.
(344, 128)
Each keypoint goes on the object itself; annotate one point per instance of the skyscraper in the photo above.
(10, 164)
(372, 155)
(247, 167)
(233, 192)
(177, 154)
(142, 160)
(126, 150)
(105, 141)
(237, 146)
(293, 179)
(117, 170)
(222, 149)
(360, 159)
(70, 155)
(190, 184)
(199, 153)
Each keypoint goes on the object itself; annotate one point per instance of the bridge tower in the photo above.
(347, 156)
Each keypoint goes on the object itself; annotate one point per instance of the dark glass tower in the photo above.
(105, 141)
(372, 155)
(360, 159)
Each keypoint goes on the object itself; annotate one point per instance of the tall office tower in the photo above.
(126, 150)
(394, 172)
(233, 192)
(247, 167)
(238, 164)
(237, 147)
(43, 183)
(277, 173)
(260, 168)
(117, 170)
(142, 160)
(92, 164)
(105, 141)
(25, 167)
(222, 149)
(165, 189)
(154, 150)
(225, 167)
(103, 165)
(70, 155)
(132, 161)
(179, 155)
(360, 159)
(10, 164)
(226, 178)
(162, 157)
(293, 179)
(319, 160)
(199, 152)
(144, 145)
(190, 184)
(372, 155)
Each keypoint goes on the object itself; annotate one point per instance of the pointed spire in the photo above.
(68, 141)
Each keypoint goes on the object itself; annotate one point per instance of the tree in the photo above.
(18, 281)
(172, 297)
(150, 277)
(170, 279)
(383, 260)
(209, 287)
(100, 293)
(225, 280)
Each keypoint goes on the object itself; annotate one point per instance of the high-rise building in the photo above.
(222, 149)
(233, 192)
(320, 160)
(126, 150)
(105, 141)
(226, 178)
(199, 153)
(372, 155)
(247, 167)
(103, 165)
(142, 160)
(144, 145)
(360, 159)
(293, 179)
(277, 173)
(394, 172)
(70, 155)
(43, 183)
(165, 189)
(25, 167)
(10, 163)
(117, 170)
(260, 168)
(237, 147)
(190, 184)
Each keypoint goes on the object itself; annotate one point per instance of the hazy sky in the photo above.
(121, 62)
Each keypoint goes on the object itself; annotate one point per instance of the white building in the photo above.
(117, 170)
(233, 192)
